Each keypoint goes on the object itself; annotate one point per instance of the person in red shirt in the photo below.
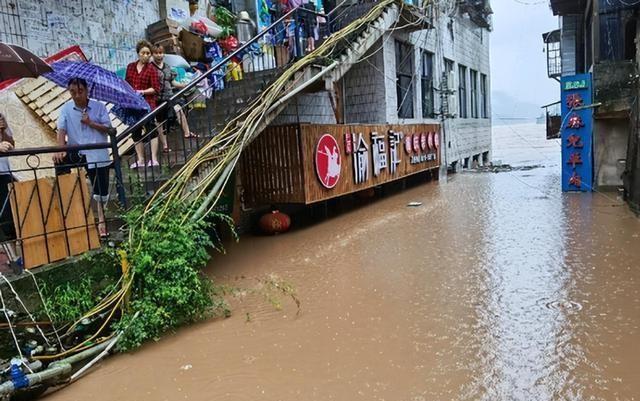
(143, 77)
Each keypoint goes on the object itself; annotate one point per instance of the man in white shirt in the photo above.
(85, 121)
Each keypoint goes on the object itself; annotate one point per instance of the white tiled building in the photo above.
(414, 66)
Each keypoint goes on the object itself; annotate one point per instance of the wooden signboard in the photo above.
(53, 218)
(311, 163)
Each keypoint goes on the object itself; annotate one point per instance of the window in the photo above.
(484, 100)
(448, 68)
(428, 98)
(462, 92)
(611, 40)
(404, 79)
(474, 93)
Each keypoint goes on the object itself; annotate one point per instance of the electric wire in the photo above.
(46, 340)
(45, 308)
(13, 334)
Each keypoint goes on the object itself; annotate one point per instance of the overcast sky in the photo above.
(518, 65)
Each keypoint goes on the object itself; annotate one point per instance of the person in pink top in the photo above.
(143, 77)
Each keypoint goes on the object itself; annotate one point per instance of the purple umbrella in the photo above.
(103, 84)
(18, 62)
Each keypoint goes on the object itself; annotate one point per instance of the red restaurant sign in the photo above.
(328, 161)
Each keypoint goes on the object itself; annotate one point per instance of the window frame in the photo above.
(405, 101)
(473, 81)
(484, 99)
(427, 84)
(463, 107)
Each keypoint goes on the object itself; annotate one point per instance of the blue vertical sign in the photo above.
(577, 133)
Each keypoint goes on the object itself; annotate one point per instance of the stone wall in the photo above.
(106, 30)
(313, 108)
(364, 89)
(610, 139)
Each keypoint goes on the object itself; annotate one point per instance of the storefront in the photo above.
(307, 163)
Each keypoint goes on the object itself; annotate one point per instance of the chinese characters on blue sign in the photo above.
(577, 128)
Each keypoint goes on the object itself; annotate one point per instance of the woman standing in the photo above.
(168, 83)
(143, 77)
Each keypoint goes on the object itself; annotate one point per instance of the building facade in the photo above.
(600, 37)
(436, 75)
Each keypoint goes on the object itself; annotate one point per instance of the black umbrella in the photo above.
(18, 62)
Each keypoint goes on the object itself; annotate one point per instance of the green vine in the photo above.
(69, 301)
(168, 287)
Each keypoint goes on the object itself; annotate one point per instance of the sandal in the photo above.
(192, 135)
(166, 150)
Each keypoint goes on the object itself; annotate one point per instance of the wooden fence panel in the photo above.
(270, 167)
(53, 218)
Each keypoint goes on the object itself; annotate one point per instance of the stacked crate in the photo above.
(165, 33)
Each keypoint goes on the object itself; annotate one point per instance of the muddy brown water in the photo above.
(499, 287)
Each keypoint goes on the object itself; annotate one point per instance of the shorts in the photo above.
(308, 27)
(148, 127)
(98, 176)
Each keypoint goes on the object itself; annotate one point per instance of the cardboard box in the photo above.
(171, 46)
(163, 25)
(162, 37)
(192, 46)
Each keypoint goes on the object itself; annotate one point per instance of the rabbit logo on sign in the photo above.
(328, 161)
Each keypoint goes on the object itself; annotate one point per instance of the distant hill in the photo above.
(505, 106)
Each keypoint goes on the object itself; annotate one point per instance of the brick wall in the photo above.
(364, 89)
(312, 108)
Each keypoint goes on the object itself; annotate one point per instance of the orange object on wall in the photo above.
(275, 223)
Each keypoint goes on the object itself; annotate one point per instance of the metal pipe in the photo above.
(36, 378)
(86, 367)
(54, 149)
(56, 369)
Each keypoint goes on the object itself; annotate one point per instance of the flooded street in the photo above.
(499, 287)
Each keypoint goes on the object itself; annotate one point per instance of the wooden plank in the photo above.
(79, 219)
(58, 102)
(40, 91)
(30, 86)
(55, 114)
(38, 222)
(43, 208)
(49, 96)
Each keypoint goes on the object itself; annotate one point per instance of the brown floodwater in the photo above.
(499, 287)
